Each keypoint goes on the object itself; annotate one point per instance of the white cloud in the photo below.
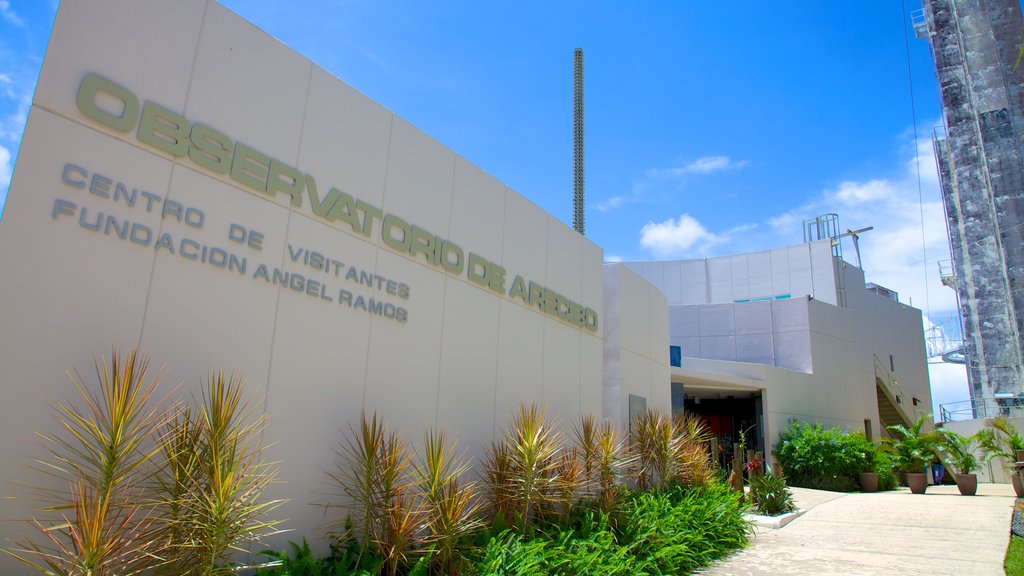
(7, 14)
(612, 258)
(702, 165)
(674, 238)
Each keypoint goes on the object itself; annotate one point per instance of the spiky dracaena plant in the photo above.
(372, 472)
(104, 522)
(221, 508)
(450, 504)
(569, 473)
(584, 433)
(497, 485)
(612, 460)
(693, 466)
(533, 447)
(181, 452)
(656, 447)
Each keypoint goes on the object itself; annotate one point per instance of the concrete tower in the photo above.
(975, 44)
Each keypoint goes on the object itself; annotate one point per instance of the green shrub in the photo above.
(663, 532)
(677, 531)
(770, 495)
(825, 458)
(886, 470)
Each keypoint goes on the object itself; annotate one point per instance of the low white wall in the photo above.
(996, 470)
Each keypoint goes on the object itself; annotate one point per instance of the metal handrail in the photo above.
(984, 407)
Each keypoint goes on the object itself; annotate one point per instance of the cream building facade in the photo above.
(190, 186)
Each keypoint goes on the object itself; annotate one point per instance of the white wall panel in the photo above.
(673, 286)
(249, 86)
(469, 358)
(104, 37)
(420, 180)
(684, 321)
(718, 320)
(753, 317)
(345, 139)
(561, 380)
(563, 246)
(478, 211)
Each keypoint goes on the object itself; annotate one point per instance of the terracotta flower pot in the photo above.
(1018, 484)
(917, 481)
(967, 484)
(868, 482)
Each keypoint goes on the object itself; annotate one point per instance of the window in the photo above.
(675, 356)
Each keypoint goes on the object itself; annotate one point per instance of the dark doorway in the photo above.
(727, 414)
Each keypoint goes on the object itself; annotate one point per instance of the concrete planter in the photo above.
(917, 481)
(868, 482)
(967, 484)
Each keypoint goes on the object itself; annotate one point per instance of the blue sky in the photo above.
(711, 127)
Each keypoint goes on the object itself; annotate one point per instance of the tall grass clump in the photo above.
(102, 520)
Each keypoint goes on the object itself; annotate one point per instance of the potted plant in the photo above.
(959, 452)
(912, 449)
(868, 472)
(1000, 439)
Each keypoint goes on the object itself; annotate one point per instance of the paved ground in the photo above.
(896, 532)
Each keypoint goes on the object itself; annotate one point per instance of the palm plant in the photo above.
(216, 498)
(104, 523)
(913, 448)
(1000, 439)
(450, 503)
(959, 451)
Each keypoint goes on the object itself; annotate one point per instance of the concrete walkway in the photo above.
(895, 532)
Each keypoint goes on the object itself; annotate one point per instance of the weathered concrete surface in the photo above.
(896, 532)
(975, 47)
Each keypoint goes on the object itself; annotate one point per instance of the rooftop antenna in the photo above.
(577, 142)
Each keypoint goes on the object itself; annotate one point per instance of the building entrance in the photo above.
(731, 416)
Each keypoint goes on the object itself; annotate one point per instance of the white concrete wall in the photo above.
(764, 332)
(791, 271)
(636, 355)
(465, 358)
